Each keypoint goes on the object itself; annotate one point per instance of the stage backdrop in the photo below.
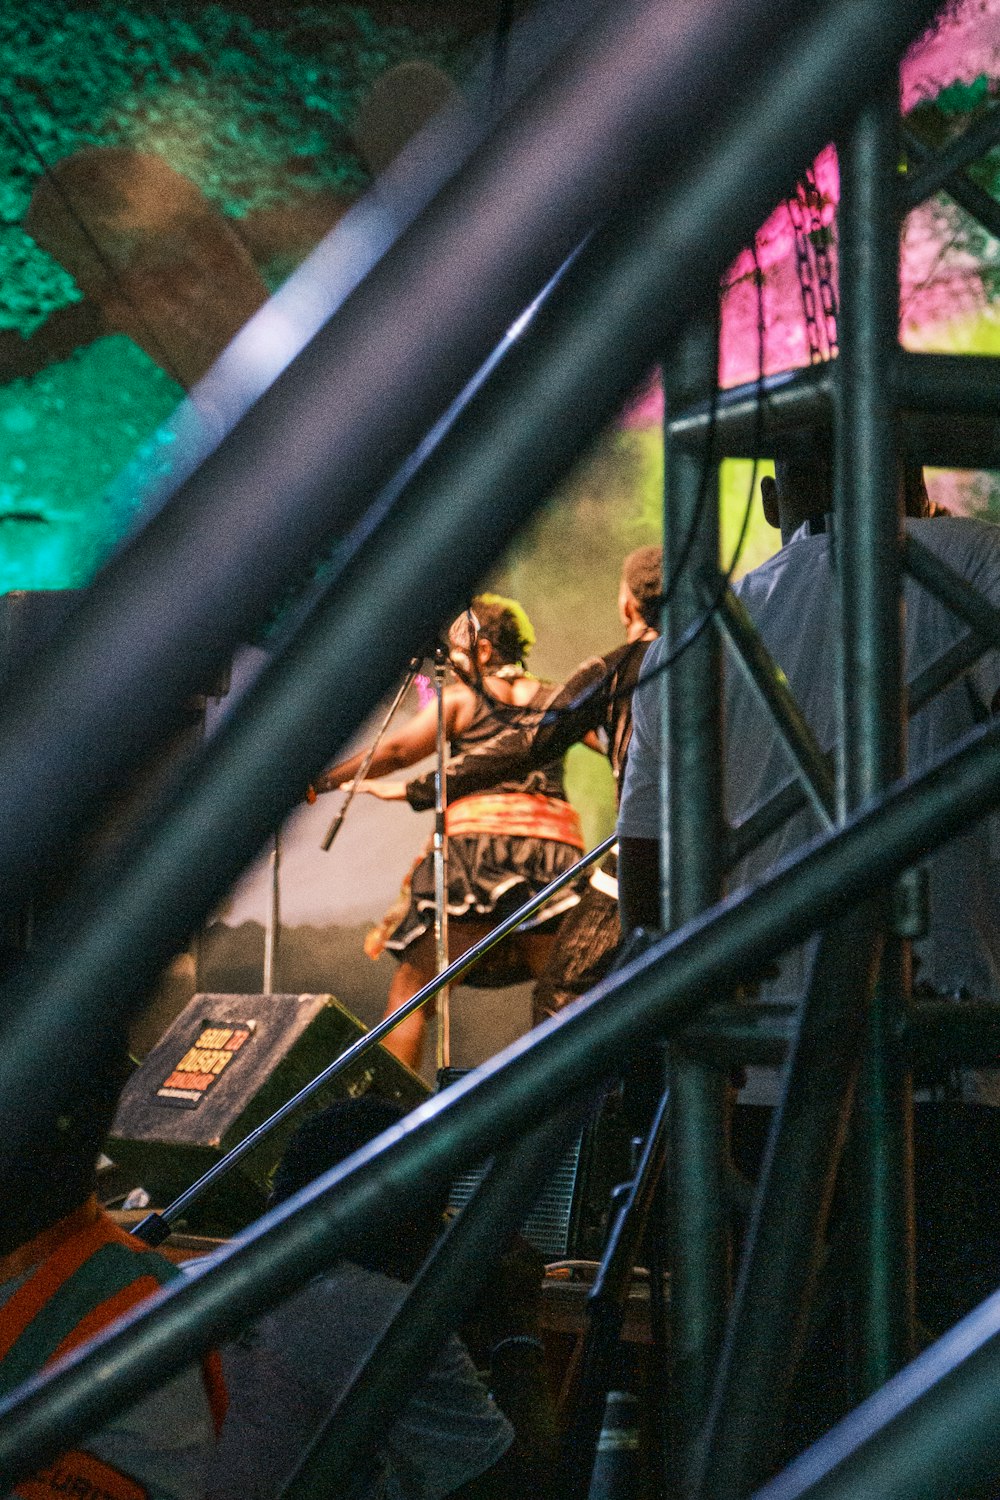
(205, 150)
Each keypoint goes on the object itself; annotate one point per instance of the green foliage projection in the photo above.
(64, 435)
(246, 113)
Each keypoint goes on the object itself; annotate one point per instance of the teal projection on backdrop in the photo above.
(258, 117)
(250, 115)
(64, 435)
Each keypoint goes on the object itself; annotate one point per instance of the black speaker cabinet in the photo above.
(225, 1065)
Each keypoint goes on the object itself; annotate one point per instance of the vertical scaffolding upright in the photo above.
(645, 275)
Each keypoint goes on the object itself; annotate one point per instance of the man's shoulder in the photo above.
(969, 535)
(803, 549)
(655, 653)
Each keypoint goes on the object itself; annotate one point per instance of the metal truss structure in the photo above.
(639, 165)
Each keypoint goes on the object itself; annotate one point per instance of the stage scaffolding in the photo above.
(629, 219)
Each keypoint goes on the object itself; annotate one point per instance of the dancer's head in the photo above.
(641, 589)
(494, 632)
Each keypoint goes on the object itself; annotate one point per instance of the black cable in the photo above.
(699, 624)
(515, 714)
(29, 144)
(501, 50)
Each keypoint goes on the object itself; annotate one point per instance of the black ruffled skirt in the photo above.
(489, 877)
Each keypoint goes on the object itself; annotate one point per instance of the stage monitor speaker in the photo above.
(569, 1219)
(224, 1066)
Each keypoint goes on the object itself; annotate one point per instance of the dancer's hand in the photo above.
(322, 783)
(385, 791)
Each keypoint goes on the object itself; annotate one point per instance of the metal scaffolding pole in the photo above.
(656, 993)
(511, 443)
(691, 846)
(784, 1243)
(873, 721)
(930, 1434)
(607, 119)
(770, 685)
(947, 410)
(442, 1297)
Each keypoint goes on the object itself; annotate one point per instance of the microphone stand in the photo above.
(441, 868)
(272, 932)
(338, 821)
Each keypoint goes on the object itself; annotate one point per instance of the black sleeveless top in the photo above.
(490, 721)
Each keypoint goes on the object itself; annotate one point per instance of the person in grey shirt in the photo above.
(792, 601)
(287, 1372)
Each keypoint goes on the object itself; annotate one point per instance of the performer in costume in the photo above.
(595, 701)
(504, 844)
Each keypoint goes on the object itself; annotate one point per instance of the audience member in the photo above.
(66, 1273)
(287, 1372)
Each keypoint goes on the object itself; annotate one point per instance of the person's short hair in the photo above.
(642, 574)
(330, 1136)
(805, 482)
(505, 625)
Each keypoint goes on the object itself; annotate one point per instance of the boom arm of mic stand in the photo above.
(338, 821)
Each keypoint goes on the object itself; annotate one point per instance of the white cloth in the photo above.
(792, 601)
(285, 1375)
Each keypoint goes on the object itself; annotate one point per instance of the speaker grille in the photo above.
(549, 1224)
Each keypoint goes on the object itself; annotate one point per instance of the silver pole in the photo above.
(272, 931)
(371, 752)
(692, 873)
(441, 870)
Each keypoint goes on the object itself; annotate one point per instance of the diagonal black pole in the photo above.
(651, 997)
(617, 111)
(784, 1241)
(515, 438)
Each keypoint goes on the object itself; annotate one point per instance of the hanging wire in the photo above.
(698, 625)
(515, 714)
(26, 141)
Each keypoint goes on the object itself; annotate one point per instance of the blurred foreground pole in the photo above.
(691, 843)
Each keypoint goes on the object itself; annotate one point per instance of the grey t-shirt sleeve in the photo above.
(449, 1433)
(287, 1374)
(164, 1442)
(639, 812)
